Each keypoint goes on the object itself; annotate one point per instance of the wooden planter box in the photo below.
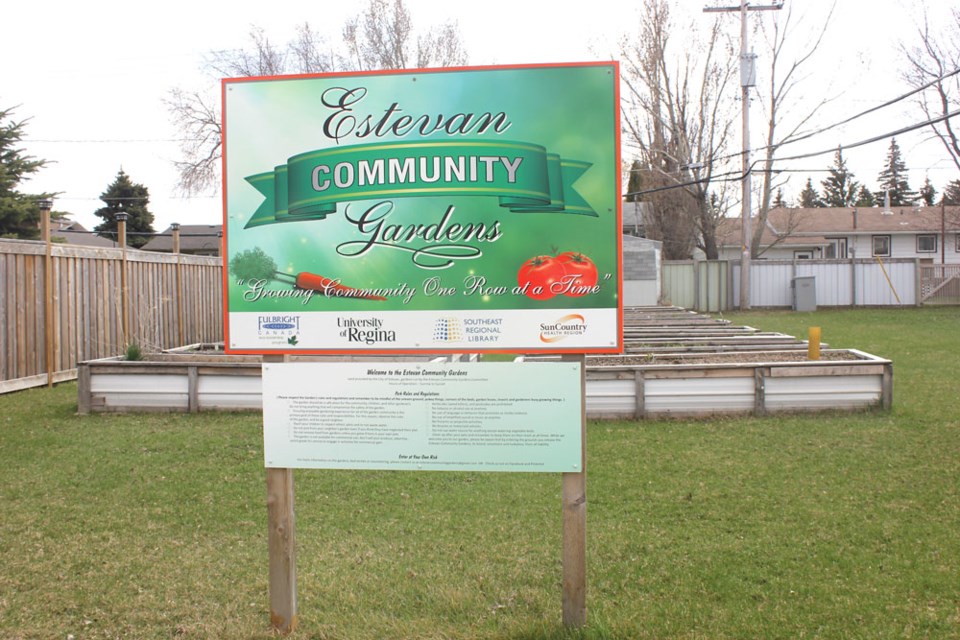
(748, 387)
(182, 382)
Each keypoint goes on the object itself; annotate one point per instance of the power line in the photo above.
(737, 176)
(883, 105)
(856, 116)
(891, 134)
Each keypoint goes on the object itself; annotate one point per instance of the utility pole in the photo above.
(747, 80)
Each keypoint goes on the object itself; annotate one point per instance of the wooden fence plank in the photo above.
(87, 315)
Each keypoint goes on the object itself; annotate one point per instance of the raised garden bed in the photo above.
(724, 383)
(187, 381)
(675, 363)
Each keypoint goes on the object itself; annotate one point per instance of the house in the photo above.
(196, 239)
(931, 234)
(66, 231)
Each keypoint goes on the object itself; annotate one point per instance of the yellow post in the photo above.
(813, 344)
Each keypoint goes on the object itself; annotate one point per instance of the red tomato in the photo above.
(582, 268)
(538, 274)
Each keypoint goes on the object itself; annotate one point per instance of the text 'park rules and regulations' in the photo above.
(423, 416)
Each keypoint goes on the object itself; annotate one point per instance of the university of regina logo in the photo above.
(369, 331)
(573, 324)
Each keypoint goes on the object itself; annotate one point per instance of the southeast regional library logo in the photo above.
(447, 330)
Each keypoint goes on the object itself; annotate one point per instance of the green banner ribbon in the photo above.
(524, 176)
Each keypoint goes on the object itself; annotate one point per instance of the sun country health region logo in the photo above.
(447, 330)
(573, 324)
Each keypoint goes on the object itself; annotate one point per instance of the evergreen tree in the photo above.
(778, 200)
(809, 196)
(951, 193)
(634, 181)
(839, 189)
(19, 212)
(927, 193)
(132, 199)
(864, 198)
(893, 178)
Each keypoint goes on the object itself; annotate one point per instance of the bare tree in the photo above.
(675, 117)
(933, 68)
(262, 59)
(196, 114)
(198, 119)
(311, 52)
(786, 79)
(381, 37)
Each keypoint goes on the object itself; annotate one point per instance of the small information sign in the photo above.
(423, 416)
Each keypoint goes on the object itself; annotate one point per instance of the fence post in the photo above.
(45, 206)
(853, 280)
(917, 283)
(124, 311)
(175, 227)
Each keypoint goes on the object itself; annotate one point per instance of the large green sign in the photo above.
(442, 210)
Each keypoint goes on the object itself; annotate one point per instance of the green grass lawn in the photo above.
(799, 526)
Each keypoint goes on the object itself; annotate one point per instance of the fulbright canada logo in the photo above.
(276, 325)
(573, 324)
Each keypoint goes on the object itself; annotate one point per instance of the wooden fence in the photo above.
(940, 283)
(99, 301)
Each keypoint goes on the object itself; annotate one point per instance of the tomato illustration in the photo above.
(582, 268)
(537, 275)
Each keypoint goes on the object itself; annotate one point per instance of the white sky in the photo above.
(91, 77)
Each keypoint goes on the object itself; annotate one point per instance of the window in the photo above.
(881, 246)
(957, 243)
(836, 249)
(926, 243)
(803, 255)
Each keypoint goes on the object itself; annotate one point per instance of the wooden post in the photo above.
(575, 522)
(45, 206)
(175, 227)
(281, 539)
(124, 311)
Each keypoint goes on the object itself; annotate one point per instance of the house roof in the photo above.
(193, 238)
(71, 232)
(812, 226)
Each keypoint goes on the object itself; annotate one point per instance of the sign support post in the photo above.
(575, 522)
(281, 540)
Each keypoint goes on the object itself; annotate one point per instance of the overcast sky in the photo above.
(91, 78)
